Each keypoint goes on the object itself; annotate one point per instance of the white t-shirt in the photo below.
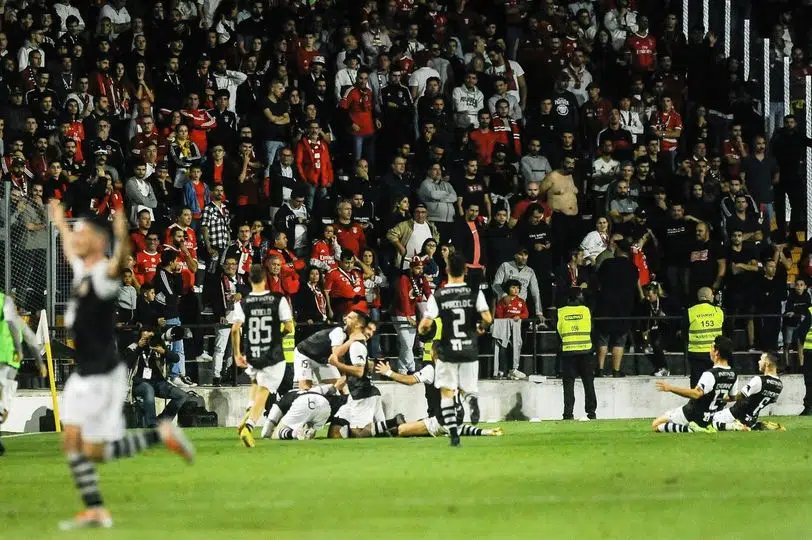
(517, 72)
(237, 315)
(420, 234)
(299, 230)
(117, 16)
(419, 78)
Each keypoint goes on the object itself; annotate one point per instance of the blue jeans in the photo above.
(768, 210)
(375, 342)
(178, 368)
(364, 146)
(149, 390)
(271, 148)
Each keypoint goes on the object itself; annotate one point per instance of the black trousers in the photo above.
(697, 364)
(808, 383)
(578, 365)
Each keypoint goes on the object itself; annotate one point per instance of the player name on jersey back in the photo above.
(458, 313)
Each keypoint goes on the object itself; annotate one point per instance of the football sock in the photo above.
(86, 479)
(670, 427)
(132, 444)
(470, 431)
(721, 426)
(379, 429)
(286, 433)
(249, 424)
(449, 412)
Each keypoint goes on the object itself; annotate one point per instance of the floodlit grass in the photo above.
(606, 479)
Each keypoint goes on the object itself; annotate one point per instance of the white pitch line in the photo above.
(23, 435)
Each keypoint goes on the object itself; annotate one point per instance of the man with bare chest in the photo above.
(562, 198)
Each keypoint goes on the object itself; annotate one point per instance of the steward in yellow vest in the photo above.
(574, 328)
(704, 324)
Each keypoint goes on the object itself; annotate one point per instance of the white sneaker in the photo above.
(204, 357)
(585, 419)
(177, 381)
(662, 372)
(516, 375)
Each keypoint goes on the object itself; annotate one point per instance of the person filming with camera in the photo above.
(146, 359)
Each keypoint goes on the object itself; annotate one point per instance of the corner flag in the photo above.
(44, 338)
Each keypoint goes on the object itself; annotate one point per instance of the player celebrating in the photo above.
(310, 356)
(762, 390)
(13, 331)
(260, 319)
(431, 425)
(301, 415)
(457, 367)
(708, 397)
(94, 394)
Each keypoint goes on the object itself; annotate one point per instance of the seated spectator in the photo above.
(510, 311)
(345, 287)
(412, 288)
(147, 359)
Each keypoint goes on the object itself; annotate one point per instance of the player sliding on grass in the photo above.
(94, 394)
(13, 332)
(260, 320)
(707, 398)
(760, 391)
(465, 315)
(432, 424)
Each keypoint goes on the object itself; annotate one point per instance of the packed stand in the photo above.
(350, 146)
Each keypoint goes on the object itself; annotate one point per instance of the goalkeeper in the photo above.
(13, 331)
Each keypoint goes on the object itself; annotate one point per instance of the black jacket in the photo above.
(463, 241)
(168, 287)
(285, 221)
(277, 182)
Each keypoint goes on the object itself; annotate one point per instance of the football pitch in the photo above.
(606, 479)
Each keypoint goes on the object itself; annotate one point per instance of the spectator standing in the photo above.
(358, 103)
(168, 289)
(439, 197)
(770, 294)
(706, 262)
(761, 173)
(533, 166)
(409, 235)
(468, 101)
(313, 162)
(518, 270)
(311, 305)
(350, 233)
(215, 225)
(139, 193)
(742, 271)
(231, 290)
(617, 296)
(595, 242)
(326, 251)
(277, 114)
(795, 312)
(510, 311)
(374, 281)
(412, 288)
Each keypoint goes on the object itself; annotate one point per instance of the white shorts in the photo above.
(270, 377)
(94, 403)
(311, 370)
(361, 412)
(8, 388)
(307, 408)
(457, 376)
(434, 427)
(676, 416)
(723, 417)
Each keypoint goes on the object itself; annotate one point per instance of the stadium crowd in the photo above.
(351, 145)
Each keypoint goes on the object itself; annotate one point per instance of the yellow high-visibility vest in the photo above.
(575, 328)
(428, 347)
(288, 344)
(808, 338)
(704, 323)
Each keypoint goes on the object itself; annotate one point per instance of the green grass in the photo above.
(607, 479)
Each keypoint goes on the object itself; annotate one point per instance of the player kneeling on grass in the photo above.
(362, 416)
(707, 398)
(260, 320)
(300, 415)
(760, 391)
(94, 395)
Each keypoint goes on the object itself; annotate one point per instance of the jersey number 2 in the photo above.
(458, 332)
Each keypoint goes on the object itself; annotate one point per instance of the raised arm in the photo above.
(121, 246)
(58, 219)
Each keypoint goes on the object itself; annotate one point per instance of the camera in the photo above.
(175, 333)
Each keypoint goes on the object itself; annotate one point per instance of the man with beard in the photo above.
(565, 105)
(679, 231)
(706, 262)
(501, 178)
(562, 197)
(535, 235)
(742, 274)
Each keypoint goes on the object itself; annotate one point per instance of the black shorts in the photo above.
(612, 339)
